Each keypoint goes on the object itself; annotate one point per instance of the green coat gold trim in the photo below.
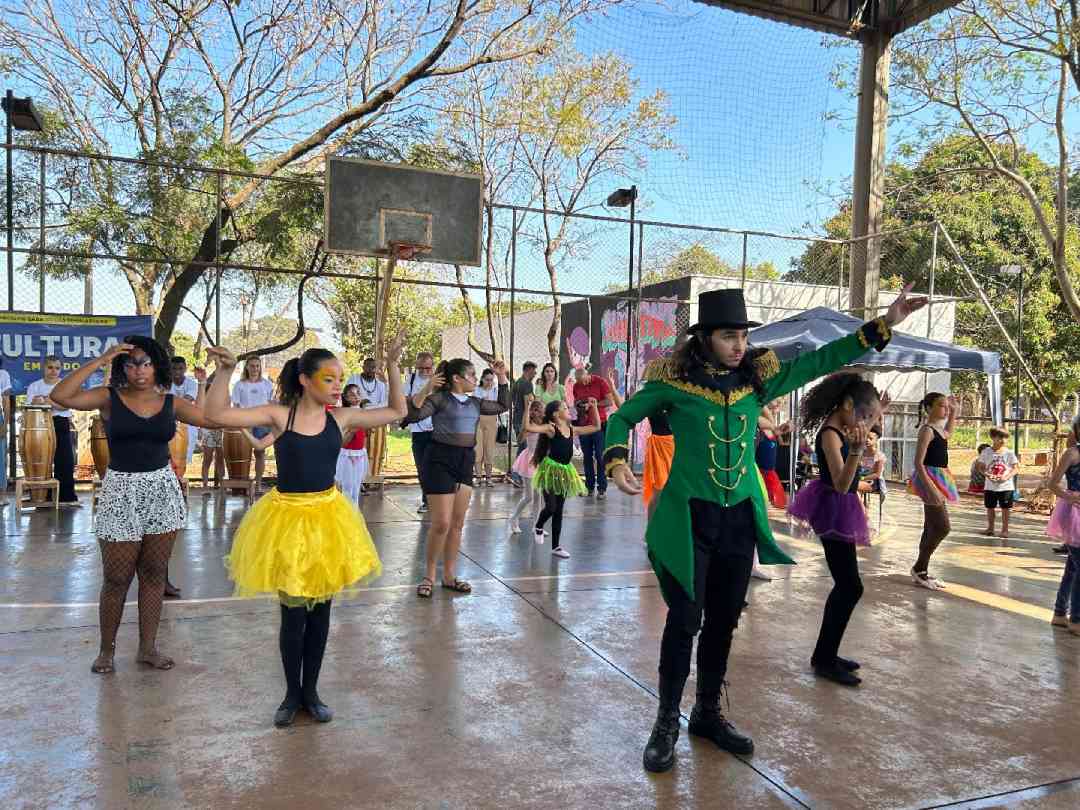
(714, 443)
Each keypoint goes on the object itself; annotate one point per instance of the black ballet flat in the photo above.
(319, 711)
(285, 714)
(837, 674)
(848, 664)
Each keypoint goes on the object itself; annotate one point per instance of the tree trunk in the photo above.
(556, 308)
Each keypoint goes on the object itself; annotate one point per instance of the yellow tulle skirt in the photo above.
(304, 547)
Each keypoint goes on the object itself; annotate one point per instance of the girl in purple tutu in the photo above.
(845, 406)
(1064, 525)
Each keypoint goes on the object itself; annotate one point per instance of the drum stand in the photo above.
(245, 484)
(27, 486)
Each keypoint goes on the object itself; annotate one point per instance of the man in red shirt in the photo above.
(589, 387)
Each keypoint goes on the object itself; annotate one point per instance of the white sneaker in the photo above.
(758, 573)
(514, 527)
(559, 551)
(538, 535)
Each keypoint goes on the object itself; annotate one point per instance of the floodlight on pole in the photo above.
(621, 198)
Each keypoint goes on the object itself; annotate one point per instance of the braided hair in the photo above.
(831, 393)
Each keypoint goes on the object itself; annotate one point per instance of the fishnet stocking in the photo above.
(120, 562)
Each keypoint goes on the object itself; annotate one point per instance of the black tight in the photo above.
(303, 641)
(553, 507)
(119, 562)
(846, 593)
(936, 528)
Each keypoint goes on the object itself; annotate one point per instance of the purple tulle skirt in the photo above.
(1064, 523)
(832, 514)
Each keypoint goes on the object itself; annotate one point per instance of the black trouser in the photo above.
(846, 592)
(64, 459)
(553, 508)
(724, 539)
(420, 441)
(303, 641)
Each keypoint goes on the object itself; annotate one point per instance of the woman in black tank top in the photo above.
(141, 506)
(556, 476)
(304, 541)
(932, 482)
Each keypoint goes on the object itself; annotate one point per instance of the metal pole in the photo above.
(630, 289)
(9, 101)
(41, 233)
(511, 439)
(217, 262)
(742, 267)
(840, 282)
(930, 299)
(1019, 351)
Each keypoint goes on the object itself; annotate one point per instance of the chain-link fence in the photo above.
(215, 255)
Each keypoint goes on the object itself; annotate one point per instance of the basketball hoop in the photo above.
(405, 250)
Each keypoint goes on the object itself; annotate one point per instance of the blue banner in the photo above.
(27, 338)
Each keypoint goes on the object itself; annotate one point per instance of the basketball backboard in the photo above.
(370, 204)
(843, 17)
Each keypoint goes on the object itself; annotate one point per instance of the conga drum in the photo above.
(237, 454)
(99, 446)
(178, 449)
(37, 446)
(376, 447)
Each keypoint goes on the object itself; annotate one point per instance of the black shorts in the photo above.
(998, 500)
(447, 467)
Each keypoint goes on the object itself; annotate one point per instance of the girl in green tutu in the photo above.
(556, 476)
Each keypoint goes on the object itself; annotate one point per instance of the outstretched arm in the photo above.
(490, 407)
(651, 398)
(594, 421)
(783, 378)
(366, 418)
(218, 409)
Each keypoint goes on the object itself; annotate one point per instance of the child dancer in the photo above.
(352, 460)
(768, 441)
(932, 482)
(556, 476)
(999, 466)
(303, 541)
(843, 405)
(532, 498)
(1064, 525)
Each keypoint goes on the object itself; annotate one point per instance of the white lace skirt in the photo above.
(132, 505)
(351, 472)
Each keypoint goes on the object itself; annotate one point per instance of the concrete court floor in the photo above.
(539, 689)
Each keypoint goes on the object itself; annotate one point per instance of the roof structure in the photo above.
(815, 327)
(846, 18)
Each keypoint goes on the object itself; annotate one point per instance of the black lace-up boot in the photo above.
(707, 720)
(660, 751)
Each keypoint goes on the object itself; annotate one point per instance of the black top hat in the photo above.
(722, 309)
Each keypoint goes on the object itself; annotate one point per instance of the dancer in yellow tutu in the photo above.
(304, 540)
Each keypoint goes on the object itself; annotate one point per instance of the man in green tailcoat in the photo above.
(712, 511)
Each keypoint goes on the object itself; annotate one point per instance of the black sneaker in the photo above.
(1062, 549)
(422, 508)
(837, 673)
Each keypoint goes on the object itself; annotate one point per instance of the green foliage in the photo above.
(992, 224)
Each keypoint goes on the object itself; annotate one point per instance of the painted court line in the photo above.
(351, 592)
(998, 601)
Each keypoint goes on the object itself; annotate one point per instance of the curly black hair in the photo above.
(829, 394)
(693, 353)
(157, 354)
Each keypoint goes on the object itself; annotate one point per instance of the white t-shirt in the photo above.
(486, 393)
(997, 463)
(374, 392)
(40, 388)
(5, 387)
(188, 388)
(247, 394)
(414, 384)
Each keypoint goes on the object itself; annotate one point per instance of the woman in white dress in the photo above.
(251, 391)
